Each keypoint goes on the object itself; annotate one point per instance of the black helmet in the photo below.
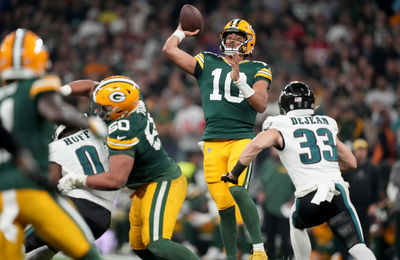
(296, 95)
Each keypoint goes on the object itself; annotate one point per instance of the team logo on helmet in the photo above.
(117, 97)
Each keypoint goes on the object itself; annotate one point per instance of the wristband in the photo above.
(180, 34)
(238, 169)
(66, 90)
(244, 87)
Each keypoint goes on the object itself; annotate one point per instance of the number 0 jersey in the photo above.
(227, 113)
(137, 137)
(84, 154)
(309, 148)
(19, 115)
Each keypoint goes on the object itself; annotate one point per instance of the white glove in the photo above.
(70, 182)
(98, 127)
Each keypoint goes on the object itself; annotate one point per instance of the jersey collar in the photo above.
(300, 112)
(227, 62)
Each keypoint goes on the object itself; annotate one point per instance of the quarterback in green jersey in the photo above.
(233, 89)
(29, 105)
(137, 161)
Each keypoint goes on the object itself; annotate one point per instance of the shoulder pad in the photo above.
(46, 83)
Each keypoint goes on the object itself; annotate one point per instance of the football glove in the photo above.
(229, 177)
(98, 127)
(70, 182)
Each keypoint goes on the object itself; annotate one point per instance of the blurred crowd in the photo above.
(347, 51)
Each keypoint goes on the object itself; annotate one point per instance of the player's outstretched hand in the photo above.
(70, 182)
(98, 127)
(229, 177)
(188, 33)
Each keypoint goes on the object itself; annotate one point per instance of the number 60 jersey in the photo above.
(309, 145)
(136, 136)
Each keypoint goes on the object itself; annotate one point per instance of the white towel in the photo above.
(325, 192)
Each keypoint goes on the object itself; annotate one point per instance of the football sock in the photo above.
(169, 250)
(258, 247)
(249, 212)
(361, 251)
(228, 228)
(41, 253)
(93, 254)
(300, 242)
(145, 254)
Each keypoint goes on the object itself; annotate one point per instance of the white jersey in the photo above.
(309, 151)
(82, 153)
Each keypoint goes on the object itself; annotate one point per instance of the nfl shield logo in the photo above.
(297, 99)
(209, 150)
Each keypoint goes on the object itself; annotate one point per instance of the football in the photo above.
(190, 18)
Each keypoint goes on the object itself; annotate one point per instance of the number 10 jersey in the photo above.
(227, 113)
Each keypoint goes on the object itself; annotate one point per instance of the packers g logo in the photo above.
(117, 97)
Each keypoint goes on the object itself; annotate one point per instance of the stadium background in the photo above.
(347, 51)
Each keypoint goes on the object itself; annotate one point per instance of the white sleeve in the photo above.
(270, 122)
(55, 153)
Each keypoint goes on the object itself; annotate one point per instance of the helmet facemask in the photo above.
(229, 51)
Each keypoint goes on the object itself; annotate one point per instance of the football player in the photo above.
(75, 151)
(138, 161)
(314, 157)
(29, 102)
(233, 89)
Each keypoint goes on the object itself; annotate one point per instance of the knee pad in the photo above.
(345, 229)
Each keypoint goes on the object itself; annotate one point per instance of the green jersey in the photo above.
(19, 115)
(137, 137)
(227, 113)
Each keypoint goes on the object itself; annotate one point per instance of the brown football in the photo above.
(190, 18)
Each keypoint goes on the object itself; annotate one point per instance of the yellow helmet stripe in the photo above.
(45, 84)
(200, 60)
(17, 48)
(236, 22)
(121, 144)
(113, 80)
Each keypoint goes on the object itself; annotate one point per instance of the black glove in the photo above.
(226, 178)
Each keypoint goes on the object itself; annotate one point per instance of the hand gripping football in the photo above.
(190, 18)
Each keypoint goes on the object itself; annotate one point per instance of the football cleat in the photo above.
(115, 97)
(258, 255)
(22, 56)
(296, 95)
(238, 26)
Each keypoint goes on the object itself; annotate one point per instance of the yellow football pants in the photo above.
(154, 210)
(53, 218)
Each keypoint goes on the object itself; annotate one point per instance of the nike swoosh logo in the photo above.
(120, 137)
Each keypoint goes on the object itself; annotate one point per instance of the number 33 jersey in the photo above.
(309, 151)
(82, 153)
(136, 136)
(227, 113)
